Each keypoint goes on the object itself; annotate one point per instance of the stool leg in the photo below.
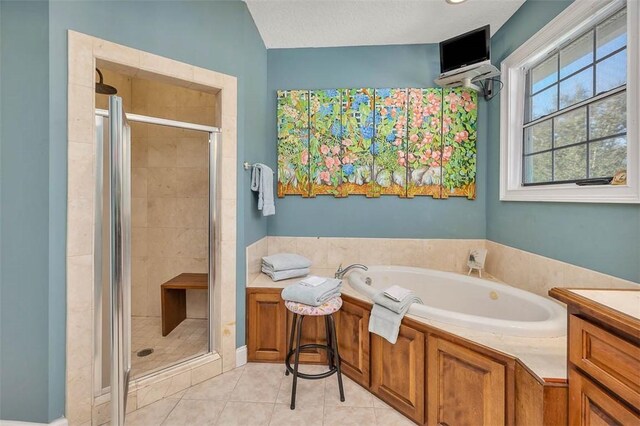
(291, 337)
(329, 341)
(295, 367)
(335, 346)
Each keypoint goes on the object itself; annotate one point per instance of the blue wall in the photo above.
(357, 216)
(218, 35)
(25, 312)
(582, 234)
(221, 35)
(603, 237)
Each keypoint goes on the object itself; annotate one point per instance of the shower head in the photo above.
(104, 89)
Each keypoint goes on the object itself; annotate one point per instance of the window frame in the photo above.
(579, 16)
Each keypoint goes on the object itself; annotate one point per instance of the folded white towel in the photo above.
(397, 293)
(285, 275)
(285, 261)
(313, 281)
(398, 307)
(314, 296)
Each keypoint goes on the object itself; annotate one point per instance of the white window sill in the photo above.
(570, 193)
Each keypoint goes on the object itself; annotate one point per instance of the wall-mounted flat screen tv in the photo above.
(464, 50)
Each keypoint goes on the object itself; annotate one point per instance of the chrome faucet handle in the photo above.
(338, 273)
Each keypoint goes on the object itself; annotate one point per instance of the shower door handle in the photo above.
(120, 257)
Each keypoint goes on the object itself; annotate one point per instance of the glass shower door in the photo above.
(129, 340)
(120, 257)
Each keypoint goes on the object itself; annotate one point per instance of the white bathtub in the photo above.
(468, 301)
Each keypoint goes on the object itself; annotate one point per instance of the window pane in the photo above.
(608, 116)
(576, 88)
(607, 157)
(544, 74)
(571, 127)
(538, 137)
(577, 55)
(612, 72)
(544, 103)
(611, 35)
(537, 168)
(570, 163)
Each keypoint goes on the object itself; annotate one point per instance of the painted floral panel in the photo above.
(424, 144)
(390, 143)
(357, 141)
(459, 120)
(325, 141)
(293, 142)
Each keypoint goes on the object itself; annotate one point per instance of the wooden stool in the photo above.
(300, 310)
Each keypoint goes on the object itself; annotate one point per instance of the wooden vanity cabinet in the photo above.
(397, 372)
(604, 362)
(352, 329)
(269, 328)
(266, 324)
(610, 360)
(591, 405)
(464, 386)
(431, 376)
(538, 401)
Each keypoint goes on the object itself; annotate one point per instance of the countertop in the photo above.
(618, 309)
(625, 301)
(544, 356)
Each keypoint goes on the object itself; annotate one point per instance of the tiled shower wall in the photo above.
(169, 189)
(519, 268)
(170, 210)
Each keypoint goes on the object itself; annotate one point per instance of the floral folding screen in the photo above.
(373, 142)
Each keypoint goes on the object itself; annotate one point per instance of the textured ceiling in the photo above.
(324, 23)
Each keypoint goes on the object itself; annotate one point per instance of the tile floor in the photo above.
(259, 394)
(185, 341)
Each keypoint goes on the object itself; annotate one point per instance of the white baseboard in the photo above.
(241, 356)
(58, 422)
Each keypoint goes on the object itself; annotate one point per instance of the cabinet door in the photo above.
(352, 331)
(464, 387)
(589, 405)
(313, 331)
(397, 372)
(607, 358)
(266, 322)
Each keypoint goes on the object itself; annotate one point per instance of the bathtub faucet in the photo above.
(340, 273)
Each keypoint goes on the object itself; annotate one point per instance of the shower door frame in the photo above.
(84, 54)
(214, 143)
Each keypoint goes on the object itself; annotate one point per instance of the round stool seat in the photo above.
(327, 308)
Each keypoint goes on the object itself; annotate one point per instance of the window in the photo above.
(575, 109)
(567, 105)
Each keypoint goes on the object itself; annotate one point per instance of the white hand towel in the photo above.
(313, 281)
(397, 293)
(387, 314)
(262, 183)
